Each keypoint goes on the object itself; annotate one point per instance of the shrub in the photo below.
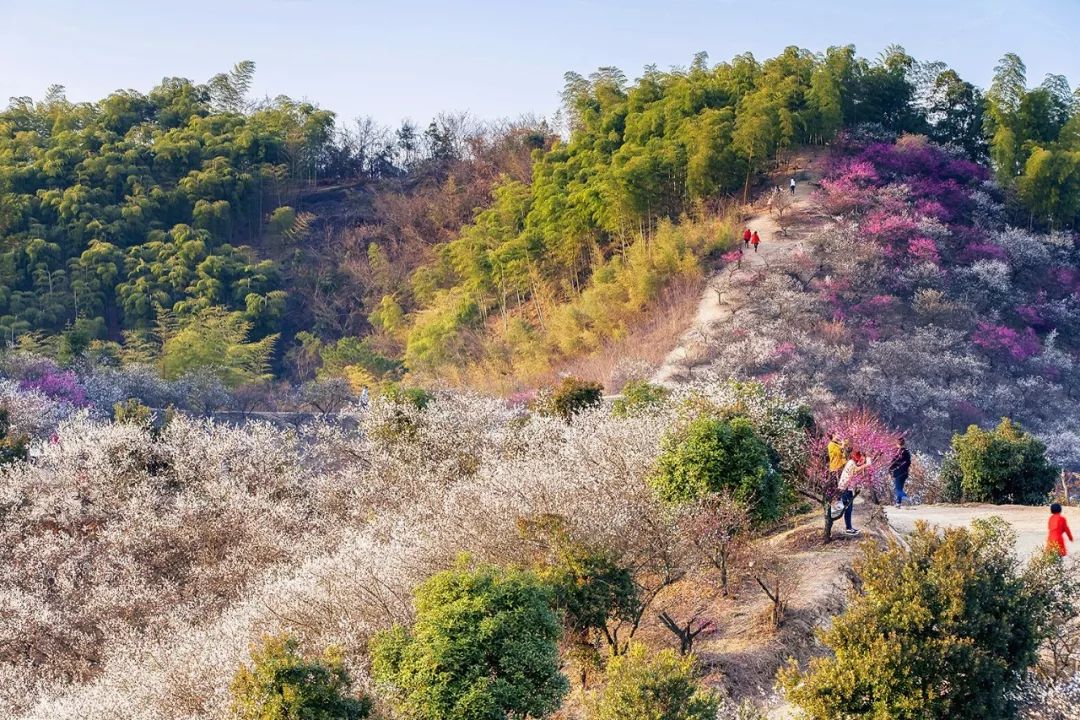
(711, 454)
(571, 397)
(132, 411)
(943, 628)
(637, 395)
(643, 686)
(12, 447)
(589, 586)
(1003, 465)
(400, 395)
(483, 646)
(283, 684)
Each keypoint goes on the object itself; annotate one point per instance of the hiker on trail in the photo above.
(746, 237)
(900, 467)
(1058, 531)
(792, 183)
(364, 397)
(755, 240)
(857, 465)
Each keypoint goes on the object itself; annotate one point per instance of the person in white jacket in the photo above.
(855, 466)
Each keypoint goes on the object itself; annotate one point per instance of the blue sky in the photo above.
(397, 59)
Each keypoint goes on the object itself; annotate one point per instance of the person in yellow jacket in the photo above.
(836, 457)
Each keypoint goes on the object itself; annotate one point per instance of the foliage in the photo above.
(12, 447)
(588, 585)
(638, 394)
(642, 685)
(570, 397)
(1003, 465)
(282, 684)
(217, 341)
(945, 626)
(483, 646)
(132, 411)
(711, 454)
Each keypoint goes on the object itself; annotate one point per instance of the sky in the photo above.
(397, 59)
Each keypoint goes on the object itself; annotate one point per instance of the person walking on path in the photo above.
(1058, 530)
(857, 465)
(792, 184)
(900, 467)
(746, 237)
(755, 240)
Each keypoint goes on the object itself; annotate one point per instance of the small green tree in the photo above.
(12, 447)
(1003, 465)
(484, 647)
(217, 340)
(645, 686)
(283, 684)
(638, 395)
(944, 628)
(571, 397)
(133, 412)
(712, 454)
(595, 592)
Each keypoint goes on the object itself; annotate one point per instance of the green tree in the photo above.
(943, 628)
(711, 454)
(483, 647)
(642, 685)
(283, 684)
(217, 340)
(1002, 465)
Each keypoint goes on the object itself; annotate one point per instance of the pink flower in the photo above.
(924, 249)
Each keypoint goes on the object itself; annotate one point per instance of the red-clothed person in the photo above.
(754, 240)
(1059, 530)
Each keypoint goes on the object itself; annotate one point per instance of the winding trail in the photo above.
(717, 304)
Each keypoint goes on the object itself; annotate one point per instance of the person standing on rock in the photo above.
(755, 240)
(1058, 530)
(746, 237)
(792, 184)
(900, 467)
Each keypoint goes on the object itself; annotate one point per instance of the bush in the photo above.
(711, 454)
(571, 397)
(944, 628)
(589, 586)
(637, 395)
(417, 397)
(1003, 465)
(643, 686)
(282, 684)
(132, 411)
(483, 646)
(12, 447)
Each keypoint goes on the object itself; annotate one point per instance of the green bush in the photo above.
(484, 646)
(712, 454)
(12, 447)
(1003, 465)
(943, 629)
(571, 397)
(638, 395)
(283, 684)
(132, 411)
(646, 686)
(417, 397)
(589, 586)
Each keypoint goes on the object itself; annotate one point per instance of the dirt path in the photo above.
(715, 305)
(1029, 522)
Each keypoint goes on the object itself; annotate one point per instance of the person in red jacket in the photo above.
(754, 240)
(1059, 530)
(746, 237)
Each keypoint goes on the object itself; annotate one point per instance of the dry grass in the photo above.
(646, 345)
